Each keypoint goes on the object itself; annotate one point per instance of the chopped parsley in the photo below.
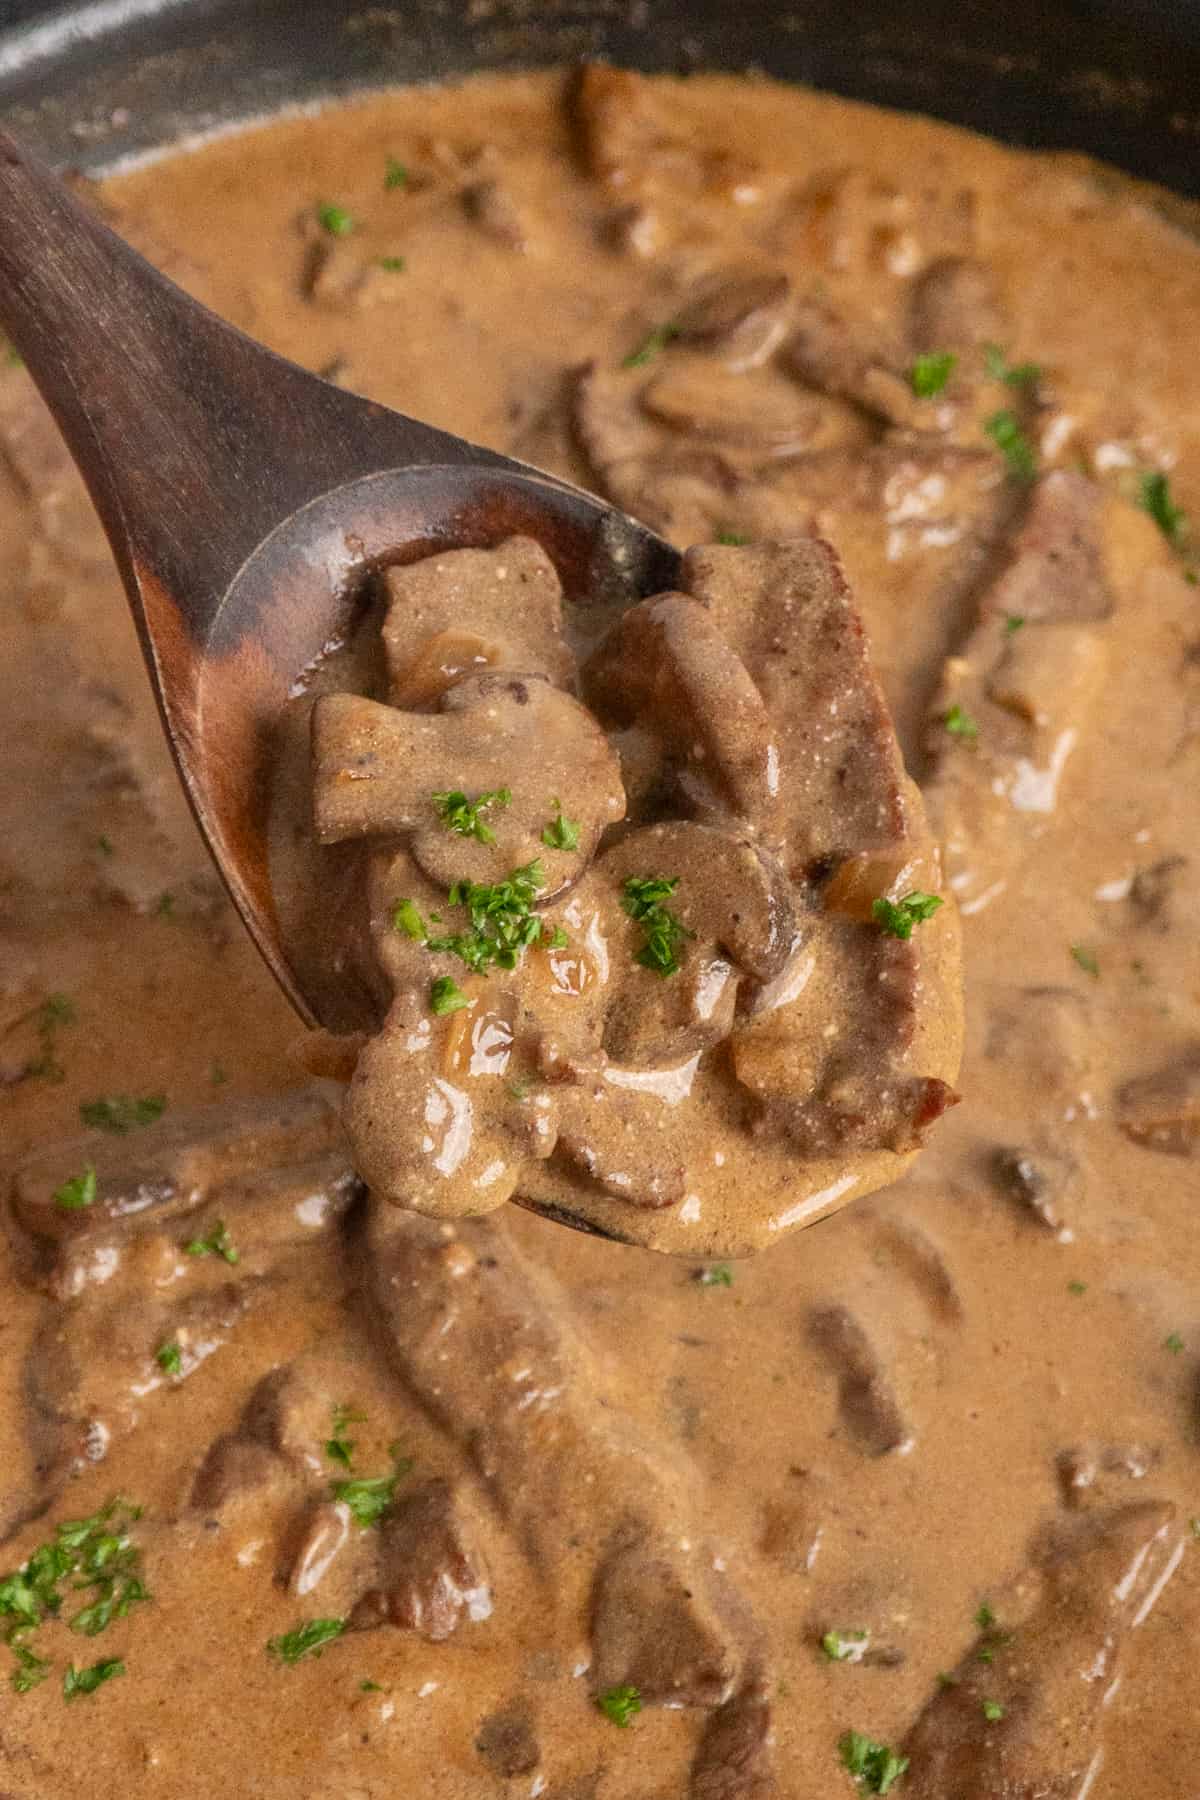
(1154, 497)
(369, 1687)
(1012, 374)
(169, 1358)
(930, 373)
(1013, 623)
(217, 1243)
(407, 919)
(876, 1767)
(985, 1618)
(642, 897)
(53, 1012)
(307, 1640)
(105, 845)
(558, 939)
(86, 1681)
(393, 265)
(960, 724)
(445, 996)
(335, 219)
(164, 906)
(339, 1448)
(459, 814)
(897, 917)
(369, 1496)
(652, 345)
(620, 1704)
(78, 1193)
(1005, 431)
(218, 1074)
(992, 1711)
(732, 539)
(561, 833)
(395, 175)
(121, 1113)
(845, 1646)
(93, 1557)
(13, 357)
(1085, 958)
(1173, 1342)
(503, 924)
(716, 1275)
(1077, 1287)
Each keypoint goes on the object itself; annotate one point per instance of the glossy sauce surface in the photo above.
(873, 1426)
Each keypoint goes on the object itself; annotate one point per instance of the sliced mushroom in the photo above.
(759, 412)
(651, 1630)
(867, 1405)
(1161, 1111)
(741, 315)
(1055, 569)
(377, 771)
(858, 364)
(955, 307)
(492, 206)
(666, 666)
(510, 599)
(734, 1758)
(1044, 1183)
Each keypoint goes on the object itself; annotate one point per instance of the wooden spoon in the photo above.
(246, 500)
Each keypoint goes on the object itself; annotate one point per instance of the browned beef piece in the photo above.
(1043, 1182)
(1055, 568)
(867, 1404)
(237, 1473)
(739, 314)
(652, 1630)
(508, 1743)
(431, 1571)
(485, 1344)
(852, 362)
(955, 307)
(734, 1760)
(1020, 1718)
(1161, 1111)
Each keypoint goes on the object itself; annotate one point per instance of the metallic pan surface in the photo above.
(1118, 79)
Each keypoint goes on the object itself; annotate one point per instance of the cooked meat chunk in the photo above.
(667, 667)
(238, 1475)
(653, 1631)
(1043, 1182)
(955, 307)
(493, 207)
(485, 1344)
(1084, 1472)
(867, 1405)
(830, 354)
(734, 1760)
(431, 1575)
(1023, 1724)
(507, 1742)
(1161, 1111)
(740, 314)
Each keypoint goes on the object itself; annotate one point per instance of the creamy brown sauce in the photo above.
(874, 1427)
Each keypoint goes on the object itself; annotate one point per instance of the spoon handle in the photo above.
(194, 441)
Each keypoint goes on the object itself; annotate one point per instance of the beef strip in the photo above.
(483, 1342)
(1161, 1111)
(734, 1759)
(1049, 1677)
(867, 1404)
(431, 1571)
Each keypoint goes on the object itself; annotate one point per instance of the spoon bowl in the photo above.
(247, 502)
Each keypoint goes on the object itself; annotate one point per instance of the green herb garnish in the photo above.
(335, 219)
(897, 917)
(960, 724)
(459, 814)
(1154, 497)
(31, 1670)
(93, 1556)
(307, 1640)
(121, 1113)
(396, 175)
(1077, 1287)
(652, 345)
(1005, 431)
(169, 1358)
(733, 539)
(1085, 958)
(1013, 623)
(407, 919)
(218, 1074)
(716, 1275)
(445, 996)
(393, 265)
(86, 1681)
(621, 1705)
(502, 922)
(844, 1646)
(561, 833)
(164, 906)
(369, 1496)
(992, 1710)
(105, 845)
(1013, 374)
(78, 1193)
(642, 897)
(1173, 1342)
(340, 1448)
(876, 1767)
(217, 1243)
(985, 1618)
(930, 373)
